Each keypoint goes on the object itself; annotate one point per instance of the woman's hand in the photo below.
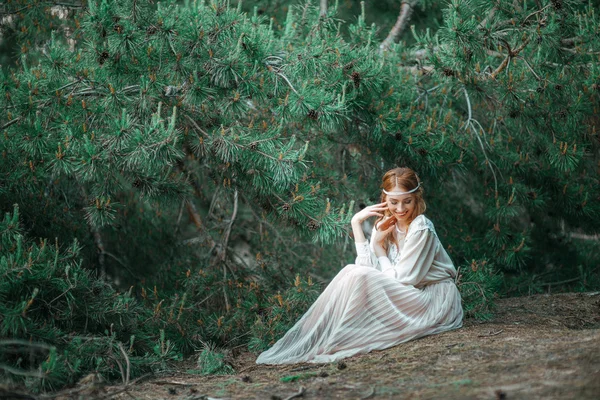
(380, 236)
(376, 210)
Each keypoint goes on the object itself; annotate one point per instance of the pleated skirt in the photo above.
(363, 309)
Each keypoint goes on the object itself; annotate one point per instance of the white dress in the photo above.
(377, 303)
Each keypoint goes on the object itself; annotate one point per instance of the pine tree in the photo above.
(268, 133)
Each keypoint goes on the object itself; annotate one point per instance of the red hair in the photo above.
(405, 179)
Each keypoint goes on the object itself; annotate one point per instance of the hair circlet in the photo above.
(402, 193)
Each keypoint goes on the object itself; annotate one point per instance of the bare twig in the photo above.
(9, 123)
(583, 236)
(571, 41)
(202, 131)
(469, 122)
(179, 216)
(173, 383)
(223, 250)
(406, 10)
(323, 13)
(535, 13)
(287, 81)
(369, 395)
(530, 68)
(228, 230)
(124, 389)
(511, 54)
(26, 343)
(492, 333)
(128, 364)
(18, 372)
(561, 282)
(299, 394)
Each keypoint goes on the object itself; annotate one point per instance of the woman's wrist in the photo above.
(357, 231)
(379, 250)
(355, 221)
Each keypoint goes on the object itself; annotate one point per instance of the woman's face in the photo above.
(402, 206)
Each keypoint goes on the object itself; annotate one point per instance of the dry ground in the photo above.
(538, 347)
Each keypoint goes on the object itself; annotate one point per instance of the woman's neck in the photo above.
(402, 227)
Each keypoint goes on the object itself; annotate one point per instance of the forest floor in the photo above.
(537, 347)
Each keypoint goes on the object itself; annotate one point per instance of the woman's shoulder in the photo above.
(421, 222)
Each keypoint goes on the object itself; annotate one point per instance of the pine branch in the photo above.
(222, 251)
(406, 10)
(202, 131)
(470, 123)
(535, 13)
(509, 56)
(9, 123)
(195, 217)
(228, 229)
(323, 12)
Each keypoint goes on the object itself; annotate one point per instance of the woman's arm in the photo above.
(416, 257)
(363, 251)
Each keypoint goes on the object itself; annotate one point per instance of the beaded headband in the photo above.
(402, 193)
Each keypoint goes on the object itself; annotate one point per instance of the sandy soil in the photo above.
(538, 347)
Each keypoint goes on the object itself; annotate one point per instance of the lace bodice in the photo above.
(418, 258)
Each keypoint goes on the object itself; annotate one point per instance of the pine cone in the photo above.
(557, 4)
(313, 225)
(447, 71)
(253, 146)
(103, 57)
(313, 114)
(356, 79)
(468, 53)
(286, 207)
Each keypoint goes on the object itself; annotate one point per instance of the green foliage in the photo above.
(198, 158)
(283, 312)
(479, 284)
(294, 378)
(212, 362)
(71, 322)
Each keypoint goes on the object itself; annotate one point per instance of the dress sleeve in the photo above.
(365, 256)
(416, 258)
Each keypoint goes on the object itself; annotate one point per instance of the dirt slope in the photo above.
(538, 347)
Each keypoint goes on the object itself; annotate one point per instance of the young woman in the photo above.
(400, 287)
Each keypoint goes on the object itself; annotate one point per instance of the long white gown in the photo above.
(375, 303)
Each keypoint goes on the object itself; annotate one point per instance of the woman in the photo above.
(400, 287)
